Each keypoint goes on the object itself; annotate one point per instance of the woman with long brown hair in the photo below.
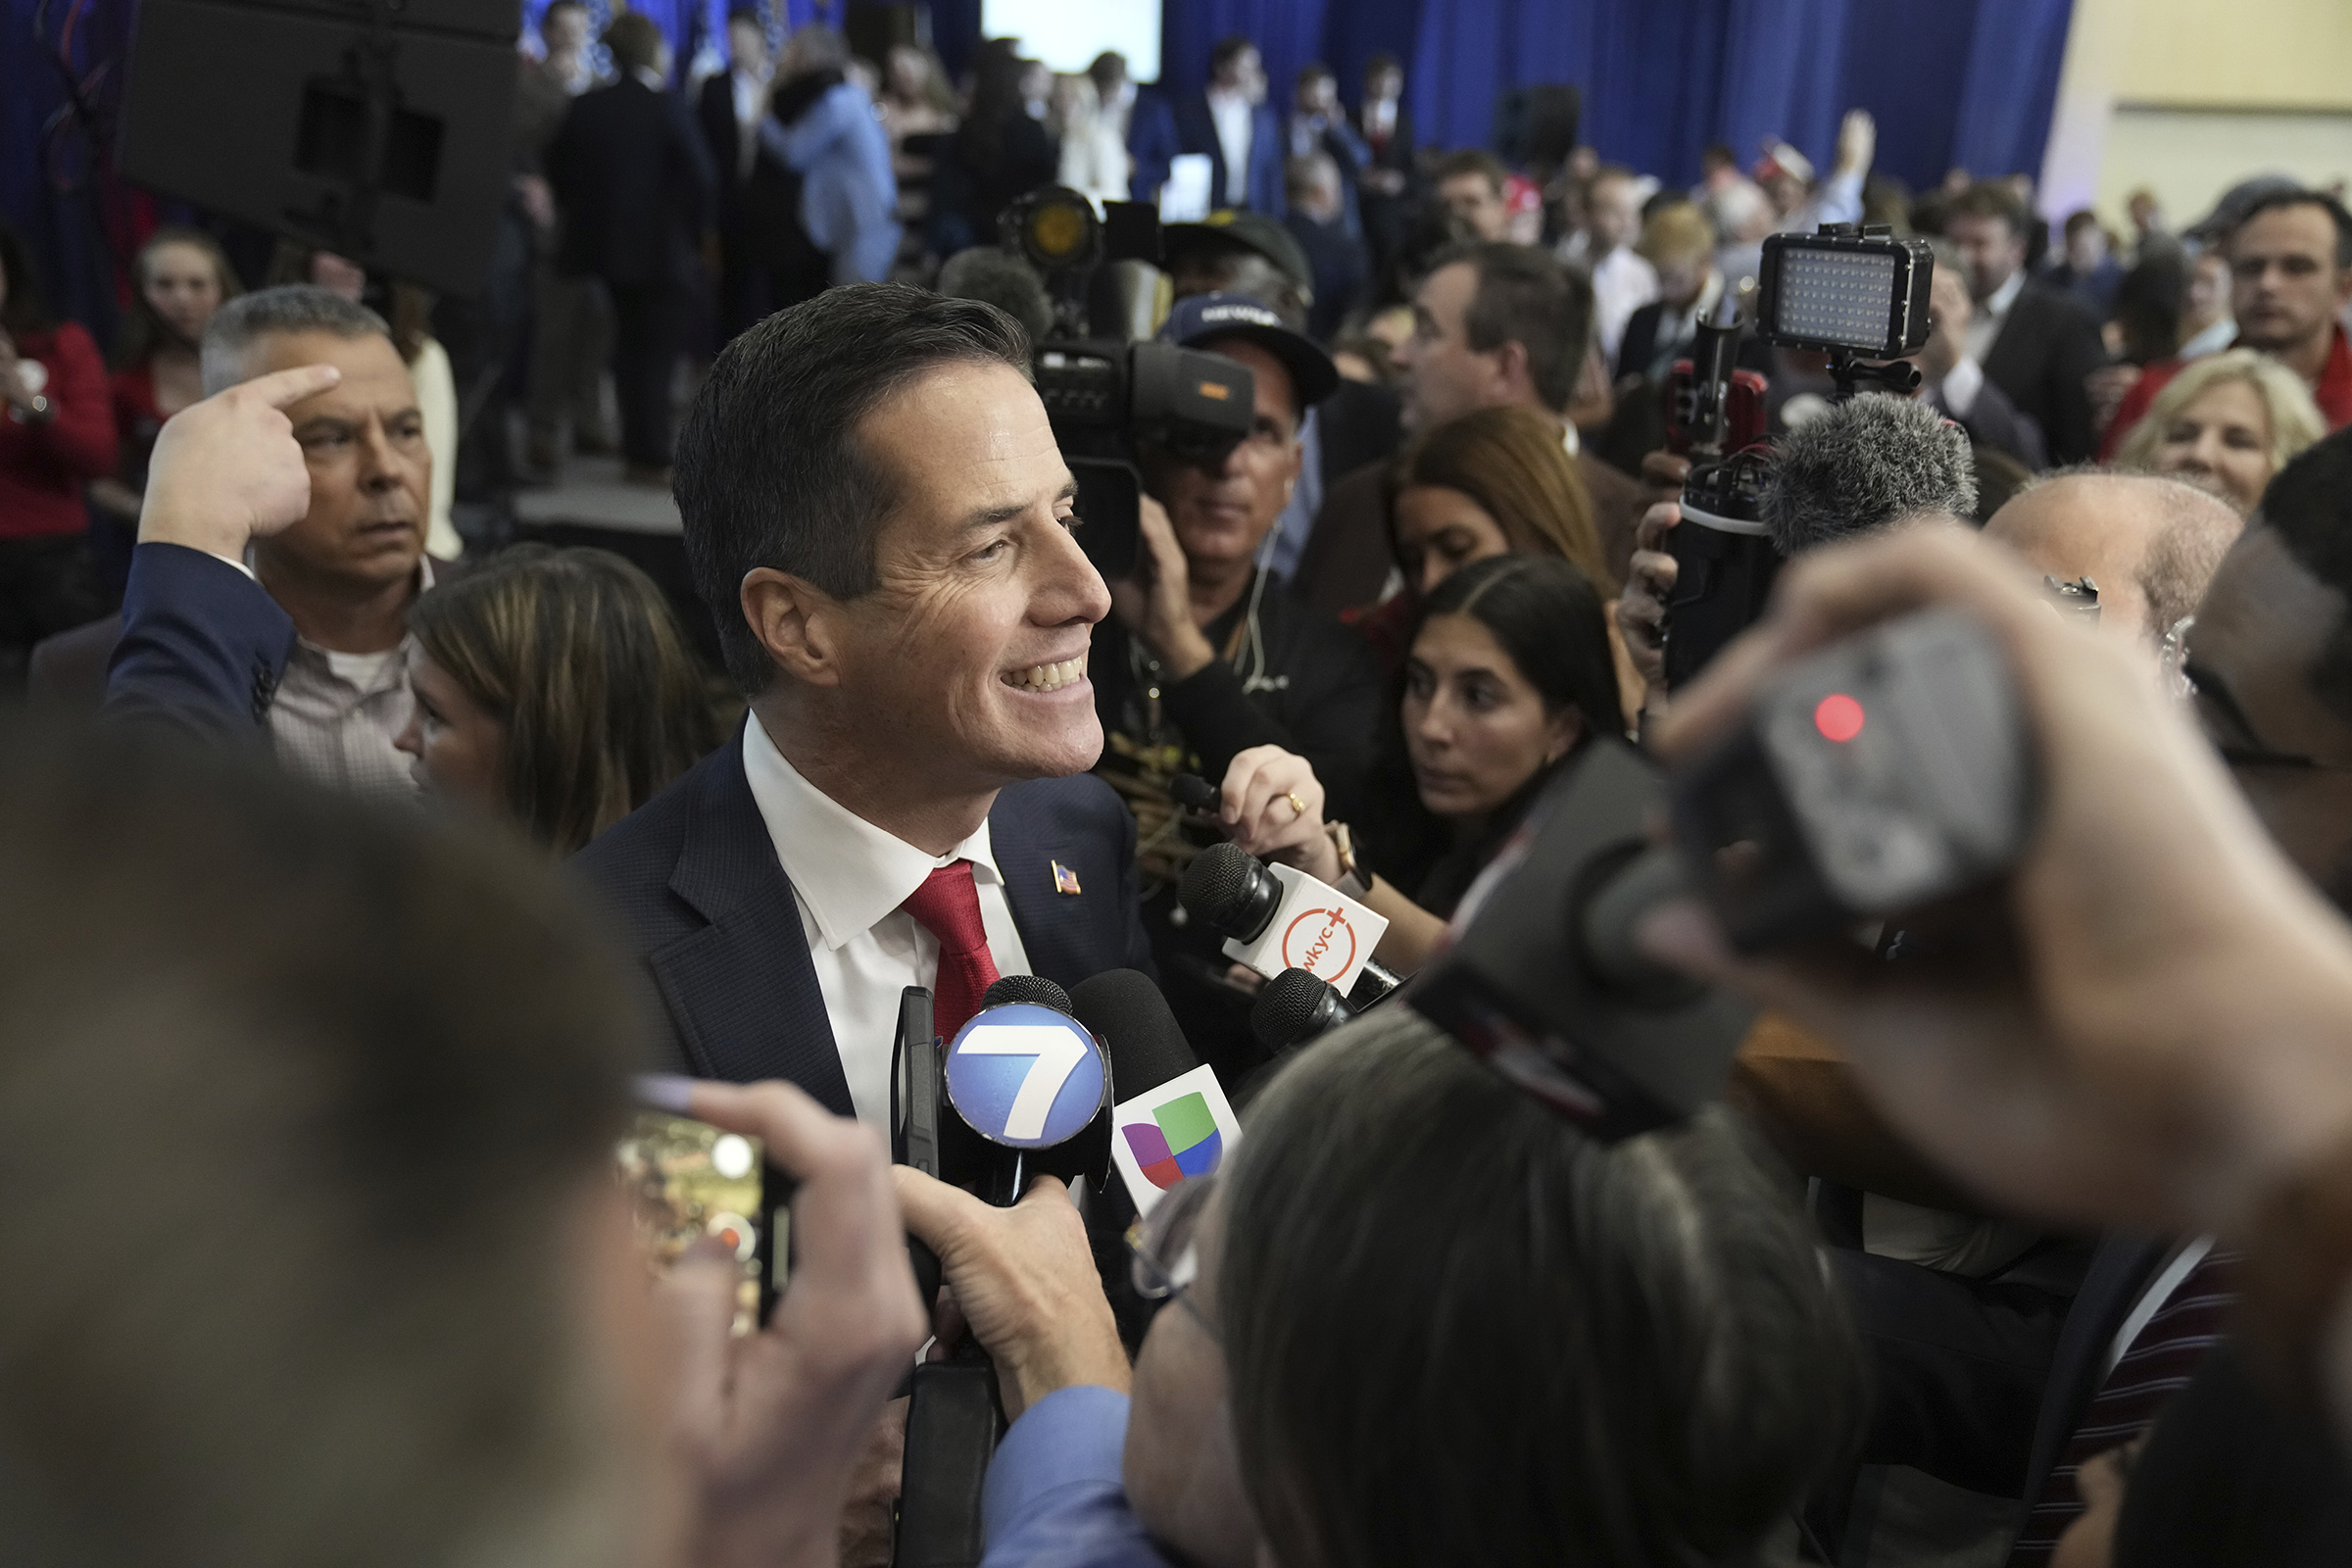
(1495, 483)
(553, 688)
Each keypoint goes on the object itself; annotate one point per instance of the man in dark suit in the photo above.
(1497, 324)
(636, 188)
(2036, 343)
(1384, 186)
(759, 197)
(879, 518)
(1230, 123)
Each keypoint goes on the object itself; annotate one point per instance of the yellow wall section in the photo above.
(2268, 53)
(2187, 97)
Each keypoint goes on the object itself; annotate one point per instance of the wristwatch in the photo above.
(1352, 879)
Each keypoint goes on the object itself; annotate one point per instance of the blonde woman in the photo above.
(2227, 423)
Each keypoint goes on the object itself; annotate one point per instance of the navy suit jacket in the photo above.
(705, 904)
(1196, 132)
(202, 647)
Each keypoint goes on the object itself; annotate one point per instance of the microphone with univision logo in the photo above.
(1174, 1120)
(1277, 917)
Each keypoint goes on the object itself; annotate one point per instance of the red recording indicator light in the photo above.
(1839, 717)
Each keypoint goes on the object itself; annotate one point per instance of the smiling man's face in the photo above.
(371, 474)
(969, 655)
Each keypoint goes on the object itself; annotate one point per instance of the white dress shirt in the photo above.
(1622, 283)
(1233, 111)
(751, 107)
(1984, 327)
(849, 878)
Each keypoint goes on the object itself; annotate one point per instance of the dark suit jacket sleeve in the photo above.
(716, 116)
(1151, 141)
(693, 163)
(2076, 351)
(1138, 940)
(1994, 421)
(1335, 700)
(202, 647)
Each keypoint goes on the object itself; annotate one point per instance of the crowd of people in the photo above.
(2021, 1234)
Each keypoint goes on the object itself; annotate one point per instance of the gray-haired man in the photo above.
(348, 571)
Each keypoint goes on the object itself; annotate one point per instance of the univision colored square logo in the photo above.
(1181, 1140)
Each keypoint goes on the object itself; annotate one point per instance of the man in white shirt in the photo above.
(880, 519)
(1230, 125)
(348, 571)
(1622, 281)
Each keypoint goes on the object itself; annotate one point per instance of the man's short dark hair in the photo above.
(1316, 71)
(1990, 198)
(1227, 50)
(302, 1098)
(558, 7)
(1382, 62)
(635, 41)
(2280, 200)
(749, 16)
(2081, 220)
(1471, 161)
(1525, 297)
(2308, 507)
(770, 467)
(1457, 1330)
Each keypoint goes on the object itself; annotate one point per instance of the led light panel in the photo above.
(1831, 296)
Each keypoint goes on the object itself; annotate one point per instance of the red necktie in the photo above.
(2156, 1365)
(948, 907)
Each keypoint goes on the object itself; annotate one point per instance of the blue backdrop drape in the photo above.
(1968, 82)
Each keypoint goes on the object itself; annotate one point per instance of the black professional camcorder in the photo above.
(1858, 295)
(1106, 395)
(1884, 773)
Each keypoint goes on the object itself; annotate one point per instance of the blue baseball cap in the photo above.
(1205, 318)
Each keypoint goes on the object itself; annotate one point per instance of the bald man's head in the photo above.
(2151, 544)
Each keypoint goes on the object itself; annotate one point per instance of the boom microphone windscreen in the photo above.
(1869, 460)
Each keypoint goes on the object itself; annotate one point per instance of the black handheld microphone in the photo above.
(1032, 988)
(1294, 1008)
(1193, 792)
(1278, 917)
(1128, 1013)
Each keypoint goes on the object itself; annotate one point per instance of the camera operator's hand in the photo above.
(1641, 607)
(2157, 1026)
(769, 1426)
(1662, 475)
(1023, 1278)
(1155, 601)
(228, 469)
(1258, 815)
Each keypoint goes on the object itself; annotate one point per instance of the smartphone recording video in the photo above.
(687, 1180)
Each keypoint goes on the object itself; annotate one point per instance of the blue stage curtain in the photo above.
(1969, 82)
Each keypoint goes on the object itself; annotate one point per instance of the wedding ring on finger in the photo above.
(1296, 805)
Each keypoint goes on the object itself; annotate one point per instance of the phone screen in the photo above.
(688, 1179)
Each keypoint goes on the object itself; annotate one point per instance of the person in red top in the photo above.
(2291, 270)
(179, 278)
(57, 433)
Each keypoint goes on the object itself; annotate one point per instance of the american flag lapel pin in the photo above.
(1066, 880)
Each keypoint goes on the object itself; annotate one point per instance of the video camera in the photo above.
(1881, 774)
(1106, 396)
(1857, 294)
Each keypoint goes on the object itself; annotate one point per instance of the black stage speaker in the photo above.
(378, 130)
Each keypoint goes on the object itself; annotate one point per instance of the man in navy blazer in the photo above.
(1232, 109)
(878, 514)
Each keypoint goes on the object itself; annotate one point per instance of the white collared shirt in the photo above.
(1984, 327)
(849, 878)
(1622, 283)
(1233, 113)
